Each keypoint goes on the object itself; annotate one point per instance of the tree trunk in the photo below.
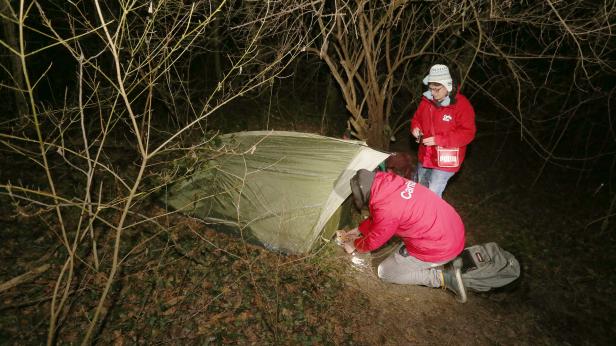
(377, 138)
(10, 37)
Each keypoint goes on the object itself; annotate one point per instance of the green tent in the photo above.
(283, 189)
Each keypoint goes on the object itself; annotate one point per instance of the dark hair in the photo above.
(454, 91)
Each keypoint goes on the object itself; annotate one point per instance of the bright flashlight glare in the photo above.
(359, 261)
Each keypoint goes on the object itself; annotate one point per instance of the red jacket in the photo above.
(453, 126)
(429, 227)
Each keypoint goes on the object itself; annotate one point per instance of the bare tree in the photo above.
(129, 57)
(379, 49)
(363, 54)
(369, 47)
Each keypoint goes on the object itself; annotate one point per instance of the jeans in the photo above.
(432, 178)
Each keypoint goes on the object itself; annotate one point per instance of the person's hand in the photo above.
(346, 239)
(429, 141)
(344, 236)
(416, 132)
(353, 234)
(349, 246)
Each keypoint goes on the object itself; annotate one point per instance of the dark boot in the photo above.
(451, 279)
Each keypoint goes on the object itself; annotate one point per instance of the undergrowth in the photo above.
(198, 286)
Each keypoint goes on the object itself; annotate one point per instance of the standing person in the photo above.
(431, 231)
(443, 125)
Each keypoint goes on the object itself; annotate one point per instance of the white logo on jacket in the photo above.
(407, 193)
(447, 117)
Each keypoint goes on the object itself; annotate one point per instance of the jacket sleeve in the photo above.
(464, 131)
(416, 120)
(375, 230)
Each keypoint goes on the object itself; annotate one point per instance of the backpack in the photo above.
(487, 266)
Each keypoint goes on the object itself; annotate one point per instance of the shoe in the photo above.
(451, 279)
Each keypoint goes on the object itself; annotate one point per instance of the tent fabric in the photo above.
(281, 188)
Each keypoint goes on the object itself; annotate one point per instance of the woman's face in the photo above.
(438, 91)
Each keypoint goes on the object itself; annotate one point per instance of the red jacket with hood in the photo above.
(429, 227)
(452, 125)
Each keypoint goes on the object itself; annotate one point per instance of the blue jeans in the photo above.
(433, 178)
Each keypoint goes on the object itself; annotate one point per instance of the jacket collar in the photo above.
(446, 101)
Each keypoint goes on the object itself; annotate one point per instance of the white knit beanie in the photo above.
(439, 74)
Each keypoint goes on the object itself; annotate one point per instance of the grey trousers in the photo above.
(402, 268)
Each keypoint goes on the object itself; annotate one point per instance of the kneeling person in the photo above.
(432, 232)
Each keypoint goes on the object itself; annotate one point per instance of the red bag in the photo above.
(448, 157)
